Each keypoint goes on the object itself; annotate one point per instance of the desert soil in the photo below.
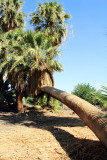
(43, 135)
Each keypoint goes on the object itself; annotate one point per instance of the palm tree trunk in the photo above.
(49, 100)
(19, 98)
(94, 118)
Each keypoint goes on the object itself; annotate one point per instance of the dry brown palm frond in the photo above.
(38, 78)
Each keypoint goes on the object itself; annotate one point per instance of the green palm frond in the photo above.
(54, 65)
(29, 52)
(34, 65)
(103, 94)
(17, 61)
(104, 89)
(50, 18)
(14, 17)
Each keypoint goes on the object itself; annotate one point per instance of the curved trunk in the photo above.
(94, 118)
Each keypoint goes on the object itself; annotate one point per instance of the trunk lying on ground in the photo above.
(94, 118)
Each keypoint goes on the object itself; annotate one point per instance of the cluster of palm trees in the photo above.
(28, 58)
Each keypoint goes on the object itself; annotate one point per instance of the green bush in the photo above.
(41, 103)
(29, 100)
(88, 93)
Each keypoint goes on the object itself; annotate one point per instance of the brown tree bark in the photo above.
(94, 118)
(19, 100)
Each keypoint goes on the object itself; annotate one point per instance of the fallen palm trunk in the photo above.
(94, 118)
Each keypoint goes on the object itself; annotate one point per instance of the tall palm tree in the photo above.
(50, 18)
(30, 57)
(27, 64)
(11, 16)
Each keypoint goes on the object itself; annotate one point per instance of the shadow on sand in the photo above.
(77, 149)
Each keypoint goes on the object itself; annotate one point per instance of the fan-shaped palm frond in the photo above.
(50, 18)
(29, 61)
(11, 17)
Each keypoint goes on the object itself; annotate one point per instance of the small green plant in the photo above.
(57, 105)
(29, 100)
(37, 107)
(41, 103)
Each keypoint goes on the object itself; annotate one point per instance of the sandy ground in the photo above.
(47, 136)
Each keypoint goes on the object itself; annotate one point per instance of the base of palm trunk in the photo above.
(20, 109)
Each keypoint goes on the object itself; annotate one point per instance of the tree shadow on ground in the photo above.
(39, 120)
(77, 149)
(6, 108)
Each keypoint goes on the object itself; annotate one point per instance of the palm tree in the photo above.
(92, 116)
(11, 16)
(50, 18)
(103, 96)
(26, 63)
(8, 60)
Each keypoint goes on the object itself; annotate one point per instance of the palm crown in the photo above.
(50, 18)
(27, 57)
(28, 54)
(11, 17)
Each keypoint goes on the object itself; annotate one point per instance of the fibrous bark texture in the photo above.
(94, 118)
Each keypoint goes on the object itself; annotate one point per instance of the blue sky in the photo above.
(84, 53)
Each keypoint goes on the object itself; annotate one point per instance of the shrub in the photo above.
(88, 93)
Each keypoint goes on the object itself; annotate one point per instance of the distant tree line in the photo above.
(90, 94)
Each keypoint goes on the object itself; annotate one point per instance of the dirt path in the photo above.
(47, 136)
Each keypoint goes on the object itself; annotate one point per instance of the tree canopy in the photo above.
(50, 18)
(28, 58)
(11, 16)
(88, 93)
